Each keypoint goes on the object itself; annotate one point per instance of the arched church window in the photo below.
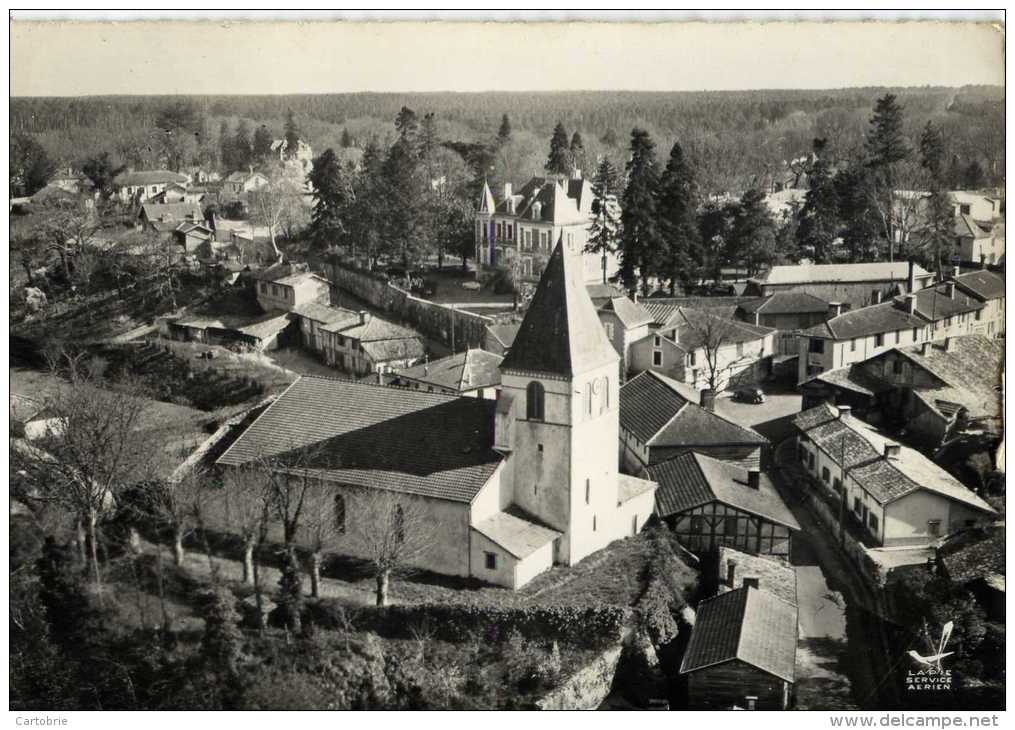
(534, 401)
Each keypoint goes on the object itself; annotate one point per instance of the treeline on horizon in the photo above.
(737, 139)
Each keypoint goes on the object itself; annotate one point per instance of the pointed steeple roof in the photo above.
(486, 204)
(561, 333)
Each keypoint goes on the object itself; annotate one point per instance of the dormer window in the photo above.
(537, 208)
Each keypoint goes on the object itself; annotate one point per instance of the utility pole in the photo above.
(452, 329)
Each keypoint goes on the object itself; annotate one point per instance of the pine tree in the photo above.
(682, 258)
(753, 235)
(886, 147)
(407, 126)
(818, 220)
(602, 238)
(292, 136)
(243, 152)
(559, 162)
(346, 139)
(639, 238)
(366, 217)
(222, 643)
(332, 197)
(262, 144)
(609, 138)
(973, 177)
(504, 133)
(939, 220)
(403, 197)
(715, 222)
(858, 211)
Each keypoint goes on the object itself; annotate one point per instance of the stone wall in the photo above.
(436, 321)
(589, 686)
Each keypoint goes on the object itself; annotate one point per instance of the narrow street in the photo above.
(839, 661)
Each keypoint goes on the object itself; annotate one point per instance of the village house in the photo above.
(284, 287)
(895, 494)
(695, 345)
(313, 316)
(142, 185)
(709, 503)
(240, 182)
(369, 344)
(601, 293)
(501, 481)
(979, 206)
(787, 312)
(978, 243)
(166, 218)
(524, 227)
(658, 423)
(975, 560)
(926, 388)
(303, 157)
(193, 237)
(625, 321)
(855, 285)
(177, 193)
(742, 653)
(497, 338)
(733, 569)
(66, 178)
(270, 331)
(939, 311)
(988, 287)
(474, 373)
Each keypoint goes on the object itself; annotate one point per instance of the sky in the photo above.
(235, 57)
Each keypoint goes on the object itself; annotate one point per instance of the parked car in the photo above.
(749, 395)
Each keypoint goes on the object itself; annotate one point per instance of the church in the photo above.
(514, 485)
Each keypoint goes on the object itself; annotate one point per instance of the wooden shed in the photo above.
(742, 652)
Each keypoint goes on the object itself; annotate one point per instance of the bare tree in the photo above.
(325, 526)
(713, 336)
(98, 451)
(152, 257)
(279, 203)
(244, 507)
(180, 504)
(394, 530)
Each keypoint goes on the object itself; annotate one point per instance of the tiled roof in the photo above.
(631, 314)
(372, 436)
(746, 624)
(861, 449)
(462, 371)
(298, 277)
(975, 554)
(786, 302)
(559, 203)
(934, 304)
(561, 333)
(838, 273)
(773, 575)
(653, 410)
(172, 212)
(149, 177)
(326, 314)
(504, 333)
(966, 227)
(971, 371)
(375, 329)
(691, 480)
(872, 320)
(629, 487)
(400, 349)
(601, 292)
(517, 532)
(852, 378)
(695, 326)
(984, 284)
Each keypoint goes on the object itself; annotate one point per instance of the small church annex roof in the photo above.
(561, 333)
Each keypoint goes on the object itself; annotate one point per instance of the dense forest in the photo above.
(736, 140)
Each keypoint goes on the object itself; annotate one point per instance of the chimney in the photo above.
(925, 348)
(834, 309)
(577, 174)
(957, 270)
(707, 400)
(635, 297)
(950, 289)
(731, 573)
(911, 303)
(754, 479)
(845, 412)
(877, 297)
(507, 191)
(892, 451)
(950, 344)
(757, 318)
(364, 316)
(911, 278)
